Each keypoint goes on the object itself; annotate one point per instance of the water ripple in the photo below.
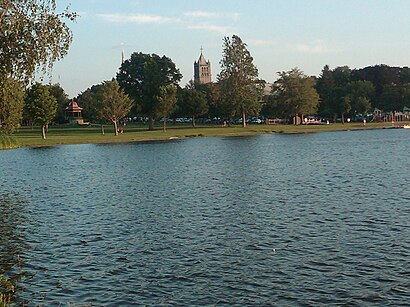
(310, 220)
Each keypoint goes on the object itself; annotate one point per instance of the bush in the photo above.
(7, 141)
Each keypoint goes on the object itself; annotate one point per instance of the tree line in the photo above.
(148, 84)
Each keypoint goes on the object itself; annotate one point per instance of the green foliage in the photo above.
(395, 97)
(114, 103)
(11, 104)
(142, 77)
(238, 79)
(167, 100)
(294, 93)
(32, 34)
(359, 94)
(193, 102)
(40, 105)
(62, 101)
(213, 98)
(8, 141)
(91, 102)
(325, 84)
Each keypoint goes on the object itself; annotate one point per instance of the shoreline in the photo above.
(58, 136)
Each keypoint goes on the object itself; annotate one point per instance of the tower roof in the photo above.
(73, 106)
(201, 59)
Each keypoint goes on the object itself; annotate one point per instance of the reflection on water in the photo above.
(313, 219)
(12, 242)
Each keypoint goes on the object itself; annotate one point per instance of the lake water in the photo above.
(284, 220)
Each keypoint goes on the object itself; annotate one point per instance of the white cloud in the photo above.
(202, 14)
(138, 18)
(210, 27)
(234, 16)
(206, 14)
(319, 47)
(259, 42)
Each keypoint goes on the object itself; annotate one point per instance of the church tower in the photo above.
(202, 70)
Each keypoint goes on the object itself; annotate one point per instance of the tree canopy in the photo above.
(238, 79)
(295, 94)
(142, 77)
(114, 103)
(193, 102)
(167, 101)
(36, 32)
(41, 106)
(33, 35)
(11, 104)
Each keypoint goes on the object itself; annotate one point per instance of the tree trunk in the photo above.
(165, 124)
(243, 119)
(334, 118)
(102, 129)
(193, 121)
(115, 127)
(43, 131)
(151, 123)
(296, 119)
(343, 118)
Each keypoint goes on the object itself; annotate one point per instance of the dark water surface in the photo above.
(284, 220)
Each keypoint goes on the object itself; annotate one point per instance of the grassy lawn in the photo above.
(58, 135)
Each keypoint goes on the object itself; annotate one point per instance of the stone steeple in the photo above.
(202, 70)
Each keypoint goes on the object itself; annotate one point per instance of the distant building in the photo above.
(202, 70)
(73, 113)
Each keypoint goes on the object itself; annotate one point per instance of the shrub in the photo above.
(7, 141)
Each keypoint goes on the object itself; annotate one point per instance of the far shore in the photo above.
(64, 135)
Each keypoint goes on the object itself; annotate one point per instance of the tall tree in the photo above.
(142, 77)
(41, 106)
(193, 102)
(238, 79)
(342, 75)
(36, 32)
(11, 104)
(62, 101)
(167, 101)
(114, 102)
(295, 93)
(91, 102)
(33, 35)
(325, 85)
(360, 93)
(395, 97)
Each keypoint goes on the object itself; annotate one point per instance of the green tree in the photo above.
(342, 75)
(395, 97)
(114, 102)
(238, 79)
(325, 85)
(193, 102)
(62, 101)
(32, 35)
(91, 102)
(167, 101)
(142, 77)
(11, 104)
(295, 94)
(41, 106)
(212, 94)
(360, 93)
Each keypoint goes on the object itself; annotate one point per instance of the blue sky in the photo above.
(280, 35)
